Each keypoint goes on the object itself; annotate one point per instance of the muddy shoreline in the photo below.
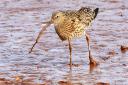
(20, 23)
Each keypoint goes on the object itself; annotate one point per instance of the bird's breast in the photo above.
(69, 32)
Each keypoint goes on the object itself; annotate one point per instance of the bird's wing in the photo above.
(85, 15)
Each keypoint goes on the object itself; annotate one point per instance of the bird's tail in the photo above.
(96, 12)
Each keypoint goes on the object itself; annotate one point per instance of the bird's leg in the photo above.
(70, 49)
(92, 61)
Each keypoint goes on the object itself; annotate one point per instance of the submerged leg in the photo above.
(92, 61)
(70, 49)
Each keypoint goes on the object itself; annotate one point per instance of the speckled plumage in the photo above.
(73, 23)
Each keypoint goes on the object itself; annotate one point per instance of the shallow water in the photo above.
(20, 22)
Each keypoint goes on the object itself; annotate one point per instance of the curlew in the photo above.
(72, 24)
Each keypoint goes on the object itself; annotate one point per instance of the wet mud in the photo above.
(20, 23)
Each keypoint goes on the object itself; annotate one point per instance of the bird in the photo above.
(71, 24)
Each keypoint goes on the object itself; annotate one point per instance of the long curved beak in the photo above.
(48, 23)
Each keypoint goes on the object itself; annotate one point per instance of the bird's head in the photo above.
(57, 17)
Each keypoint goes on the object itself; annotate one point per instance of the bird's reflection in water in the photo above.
(74, 78)
(69, 79)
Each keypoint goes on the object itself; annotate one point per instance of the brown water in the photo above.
(20, 22)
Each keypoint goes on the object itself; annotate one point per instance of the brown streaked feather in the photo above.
(65, 30)
(74, 22)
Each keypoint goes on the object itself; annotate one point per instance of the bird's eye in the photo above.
(56, 16)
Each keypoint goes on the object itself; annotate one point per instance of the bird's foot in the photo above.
(94, 62)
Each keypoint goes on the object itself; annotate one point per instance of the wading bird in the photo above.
(71, 24)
